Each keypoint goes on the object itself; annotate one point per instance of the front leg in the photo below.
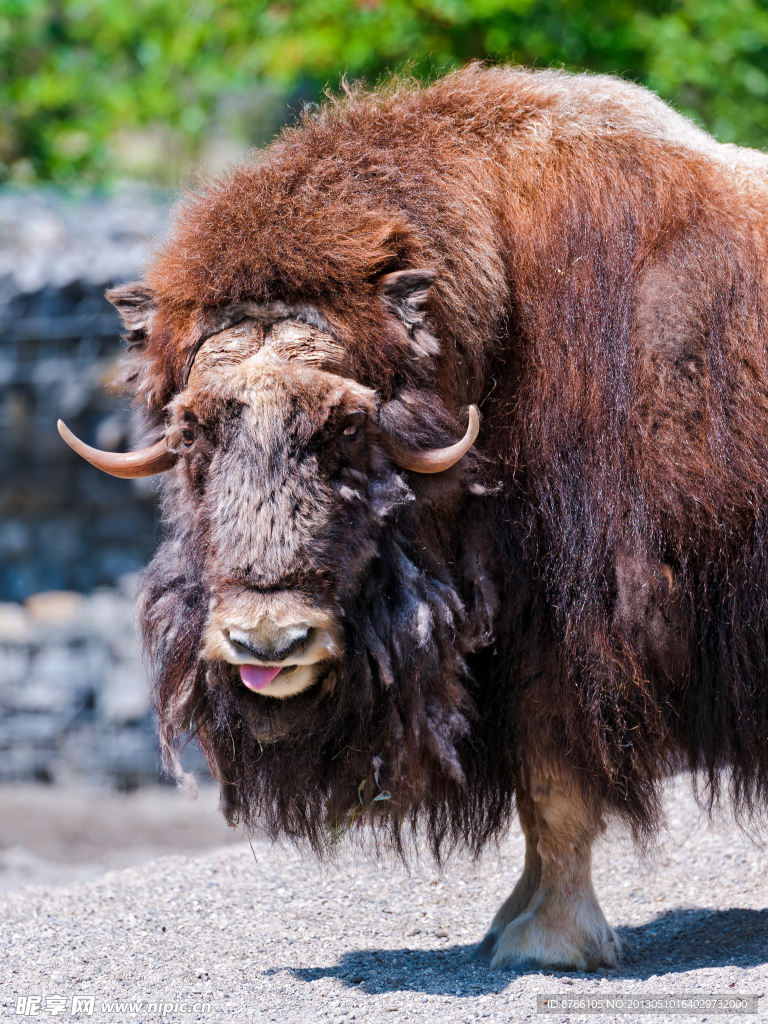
(560, 924)
(527, 884)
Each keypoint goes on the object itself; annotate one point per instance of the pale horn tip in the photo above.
(474, 423)
(437, 460)
(127, 465)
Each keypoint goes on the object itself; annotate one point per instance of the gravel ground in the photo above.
(265, 934)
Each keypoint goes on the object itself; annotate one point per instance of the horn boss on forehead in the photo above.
(289, 340)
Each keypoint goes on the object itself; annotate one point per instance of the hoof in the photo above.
(531, 938)
(483, 952)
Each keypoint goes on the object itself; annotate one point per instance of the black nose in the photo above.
(278, 647)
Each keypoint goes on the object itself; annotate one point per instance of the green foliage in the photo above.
(87, 85)
(711, 58)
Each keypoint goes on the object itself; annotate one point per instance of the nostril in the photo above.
(292, 641)
(297, 644)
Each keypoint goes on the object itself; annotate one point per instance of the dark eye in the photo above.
(351, 430)
(188, 438)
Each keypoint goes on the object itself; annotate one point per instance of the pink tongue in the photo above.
(255, 677)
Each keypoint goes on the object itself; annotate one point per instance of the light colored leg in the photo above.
(526, 886)
(562, 924)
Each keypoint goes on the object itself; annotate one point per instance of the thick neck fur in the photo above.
(392, 721)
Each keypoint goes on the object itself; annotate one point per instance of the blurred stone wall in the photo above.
(74, 700)
(64, 525)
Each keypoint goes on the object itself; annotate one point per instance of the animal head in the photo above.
(295, 604)
(290, 472)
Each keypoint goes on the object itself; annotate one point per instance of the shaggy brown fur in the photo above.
(589, 592)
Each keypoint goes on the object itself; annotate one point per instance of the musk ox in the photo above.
(367, 610)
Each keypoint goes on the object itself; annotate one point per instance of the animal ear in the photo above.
(405, 293)
(136, 304)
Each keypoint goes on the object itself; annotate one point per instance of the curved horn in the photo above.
(146, 462)
(437, 460)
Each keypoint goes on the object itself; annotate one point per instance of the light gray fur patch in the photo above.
(423, 623)
(604, 105)
(389, 494)
(349, 494)
(423, 342)
(268, 511)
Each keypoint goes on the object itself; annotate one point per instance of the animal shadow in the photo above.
(431, 971)
(688, 940)
(674, 942)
